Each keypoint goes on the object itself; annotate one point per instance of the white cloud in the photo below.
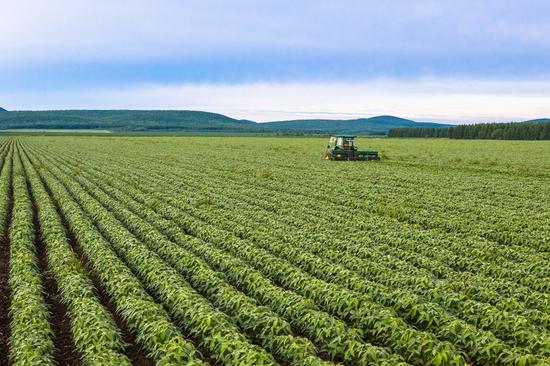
(423, 99)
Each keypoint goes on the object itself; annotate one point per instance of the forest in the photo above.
(530, 130)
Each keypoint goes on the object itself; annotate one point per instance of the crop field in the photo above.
(255, 251)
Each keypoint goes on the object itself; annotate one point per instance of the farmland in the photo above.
(255, 251)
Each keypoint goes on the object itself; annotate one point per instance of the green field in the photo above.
(20, 131)
(254, 251)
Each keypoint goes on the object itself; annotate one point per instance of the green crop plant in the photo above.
(210, 257)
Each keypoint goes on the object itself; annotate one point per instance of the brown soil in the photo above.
(4, 288)
(136, 354)
(66, 353)
(133, 351)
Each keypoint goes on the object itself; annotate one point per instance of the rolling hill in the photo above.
(2, 109)
(122, 120)
(379, 125)
(194, 121)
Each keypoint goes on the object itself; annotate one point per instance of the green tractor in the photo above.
(342, 147)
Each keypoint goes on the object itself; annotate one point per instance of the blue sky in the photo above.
(431, 60)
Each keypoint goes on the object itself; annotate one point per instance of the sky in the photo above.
(449, 61)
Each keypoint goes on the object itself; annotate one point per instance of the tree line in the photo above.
(493, 131)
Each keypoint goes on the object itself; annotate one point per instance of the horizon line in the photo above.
(358, 116)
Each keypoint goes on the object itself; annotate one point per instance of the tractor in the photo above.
(342, 147)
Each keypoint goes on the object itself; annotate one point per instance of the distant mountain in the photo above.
(2, 109)
(195, 121)
(122, 120)
(539, 120)
(375, 125)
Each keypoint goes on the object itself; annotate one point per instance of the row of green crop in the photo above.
(458, 189)
(465, 260)
(334, 299)
(31, 336)
(436, 290)
(151, 324)
(227, 222)
(372, 230)
(520, 330)
(163, 209)
(299, 231)
(514, 324)
(505, 309)
(214, 329)
(475, 211)
(5, 178)
(311, 320)
(273, 331)
(375, 231)
(367, 259)
(175, 253)
(363, 227)
(94, 331)
(431, 204)
(361, 199)
(303, 170)
(360, 214)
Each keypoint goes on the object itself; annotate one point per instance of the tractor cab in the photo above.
(342, 147)
(343, 142)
